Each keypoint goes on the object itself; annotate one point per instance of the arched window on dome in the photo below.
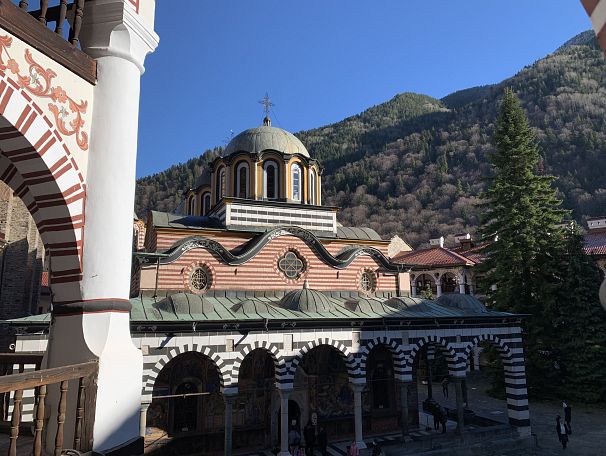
(220, 185)
(191, 210)
(295, 177)
(242, 180)
(312, 188)
(270, 180)
(205, 203)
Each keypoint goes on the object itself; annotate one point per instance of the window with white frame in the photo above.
(270, 181)
(242, 180)
(221, 185)
(312, 187)
(296, 182)
(205, 203)
(192, 205)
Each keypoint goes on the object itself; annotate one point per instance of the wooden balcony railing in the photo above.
(59, 15)
(42, 381)
(33, 28)
(13, 363)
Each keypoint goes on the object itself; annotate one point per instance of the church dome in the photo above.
(306, 300)
(259, 139)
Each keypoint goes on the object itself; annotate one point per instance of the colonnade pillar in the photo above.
(284, 395)
(229, 408)
(430, 354)
(461, 281)
(404, 404)
(413, 289)
(476, 358)
(439, 287)
(357, 390)
(143, 419)
(95, 325)
(458, 381)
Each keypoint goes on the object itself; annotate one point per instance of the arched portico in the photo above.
(187, 400)
(515, 377)
(37, 165)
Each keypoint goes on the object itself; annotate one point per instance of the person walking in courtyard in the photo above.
(309, 433)
(353, 449)
(322, 441)
(567, 416)
(443, 419)
(294, 440)
(445, 383)
(562, 433)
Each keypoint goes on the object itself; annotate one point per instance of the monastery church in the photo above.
(256, 312)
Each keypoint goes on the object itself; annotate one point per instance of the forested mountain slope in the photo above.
(416, 165)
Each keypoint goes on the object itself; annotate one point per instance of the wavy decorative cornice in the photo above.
(249, 250)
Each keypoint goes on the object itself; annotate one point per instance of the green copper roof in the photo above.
(304, 304)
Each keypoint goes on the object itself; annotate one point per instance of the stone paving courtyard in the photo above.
(588, 421)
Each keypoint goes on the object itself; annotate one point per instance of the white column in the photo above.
(438, 288)
(118, 35)
(284, 394)
(460, 406)
(357, 390)
(413, 289)
(404, 404)
(143, 419)
(229, 408)
(461, 279)
(476, 358)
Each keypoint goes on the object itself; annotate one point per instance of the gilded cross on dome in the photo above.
(267, 104)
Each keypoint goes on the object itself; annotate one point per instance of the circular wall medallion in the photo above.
(199, 279)
(368, 282)
(291, 265)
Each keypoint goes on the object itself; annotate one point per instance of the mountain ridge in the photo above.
(415, 165)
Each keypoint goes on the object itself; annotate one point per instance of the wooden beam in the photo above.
(27, 28)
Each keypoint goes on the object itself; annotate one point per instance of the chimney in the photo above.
(464, 240)
(438, 242)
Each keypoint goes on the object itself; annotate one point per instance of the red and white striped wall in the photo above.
(596, 9)
(38, 166)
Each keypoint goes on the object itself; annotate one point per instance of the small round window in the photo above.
(200, 279)
(291, 265)
(368, 282)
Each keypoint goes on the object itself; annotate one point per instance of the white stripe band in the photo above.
(598, 17)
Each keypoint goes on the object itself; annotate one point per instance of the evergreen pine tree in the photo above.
(521, 212)
(579, 324)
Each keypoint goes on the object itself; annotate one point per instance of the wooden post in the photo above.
(61, 18)
(79, 415)
(16, 420)
(43, 10)
(61, 418)
(75, 32)
(39, 420)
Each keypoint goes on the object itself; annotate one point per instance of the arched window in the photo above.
(312, 188)
(220, 185)
(192, 205)
(205, 203)
(270, 181)
(242, 180)
(296, 182)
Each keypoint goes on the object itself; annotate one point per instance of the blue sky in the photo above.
(324, 60)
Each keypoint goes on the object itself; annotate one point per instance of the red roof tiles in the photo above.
(437, 256)
(595, 243)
